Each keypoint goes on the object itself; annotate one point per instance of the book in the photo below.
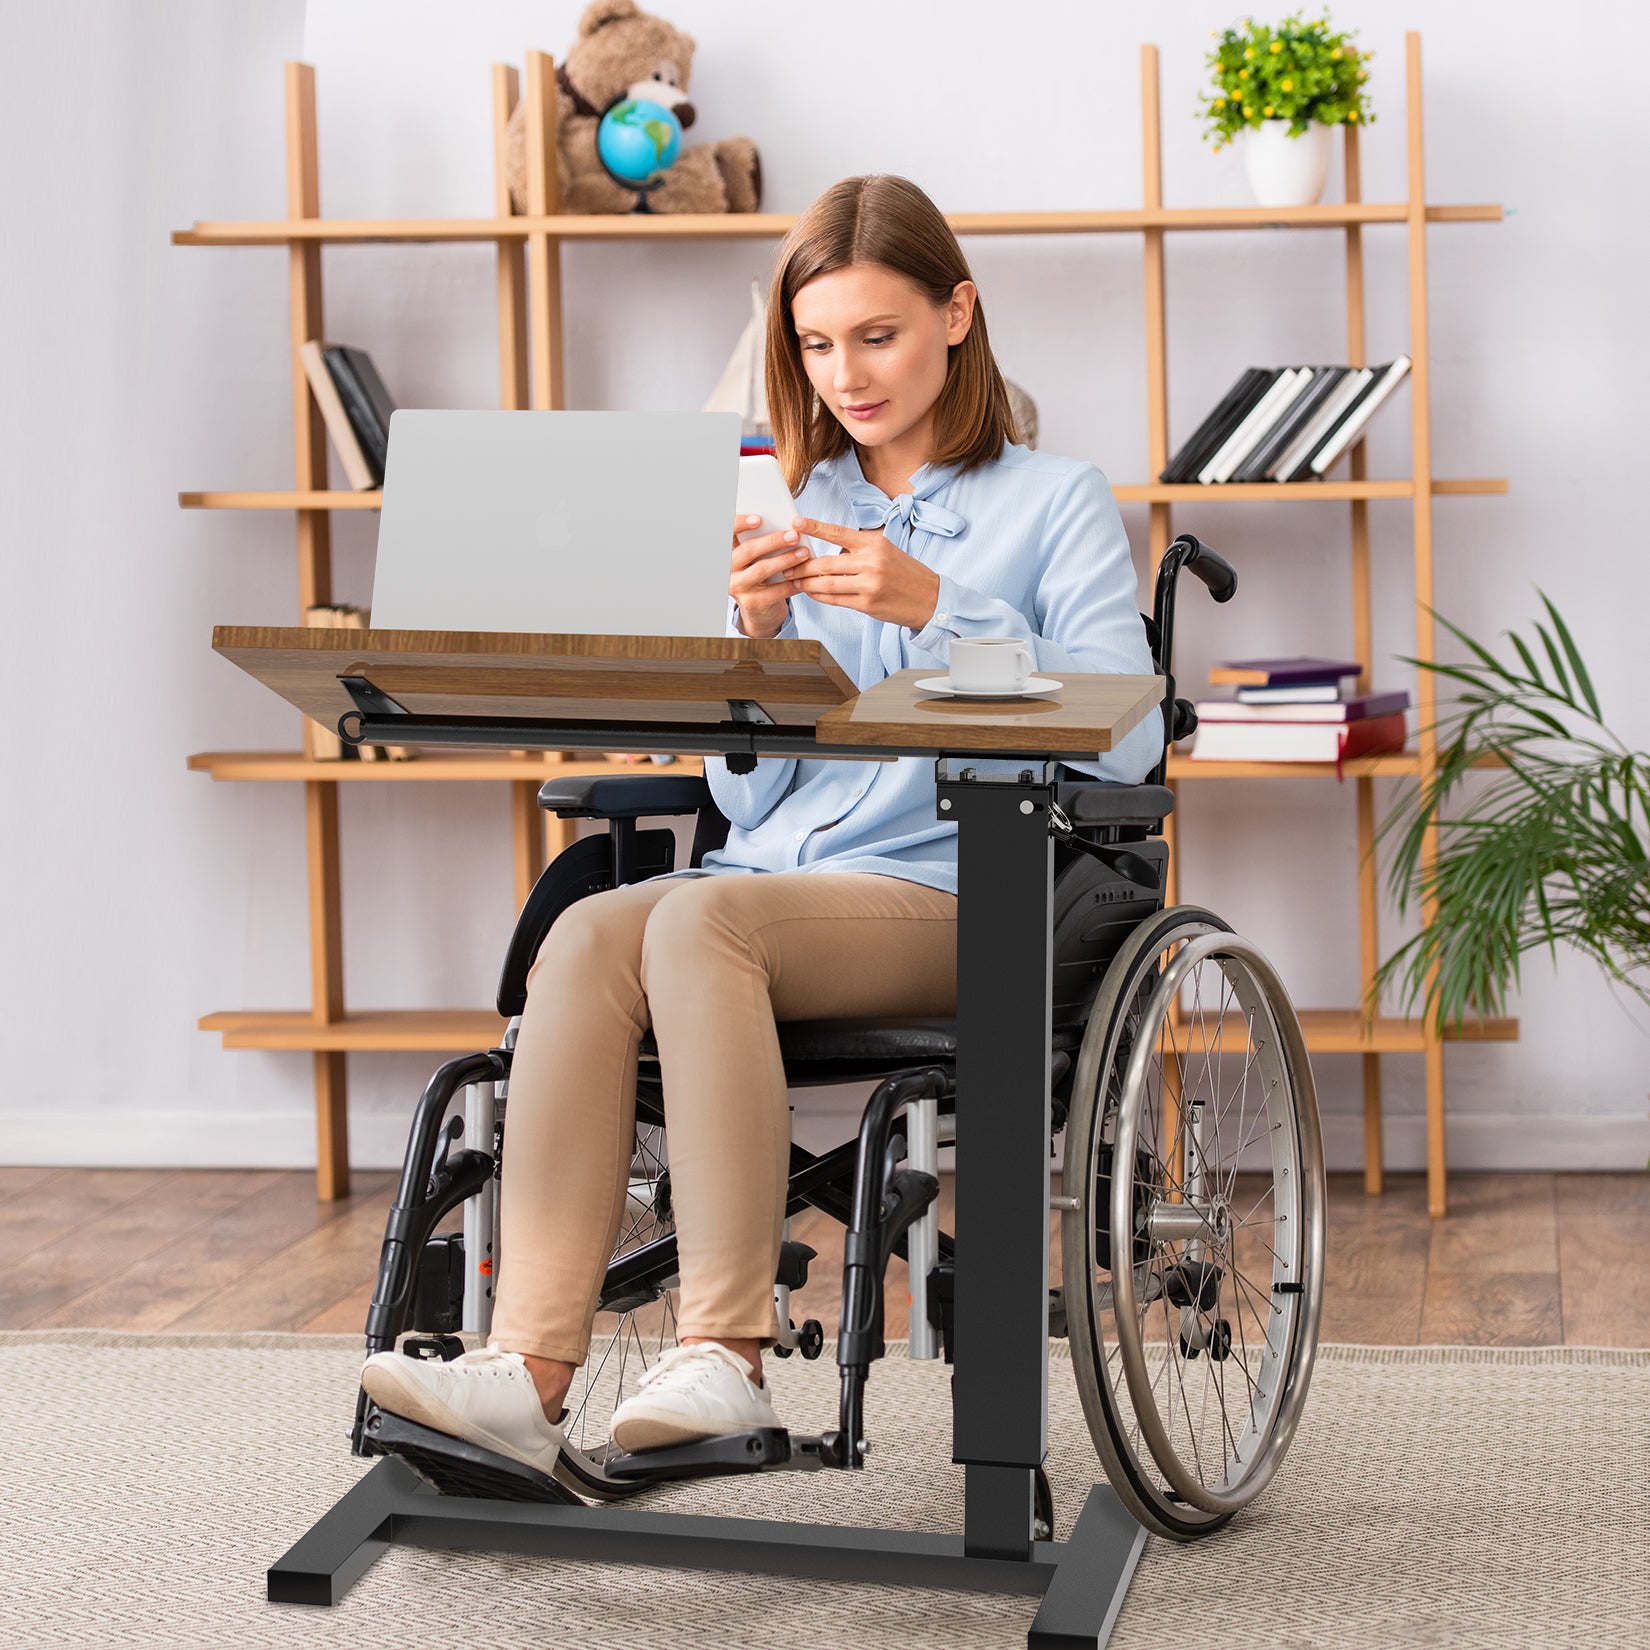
(1341, 710)
(365, 399)
(1297, 741)
(1359, 414)
(1239, 444)
(342, 433)
(1264, 427)
(1199, 447)
(1309, 693)
(1257, 466)
(1282, 672)
(1291, 464)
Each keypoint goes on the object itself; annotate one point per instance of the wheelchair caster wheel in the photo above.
(1220, 1341)
(1217, 1343)
(1042, 1517)
(812, 1341)
(779, 1348)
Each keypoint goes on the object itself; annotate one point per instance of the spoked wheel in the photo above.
(635, 1324)
(1193, 1260)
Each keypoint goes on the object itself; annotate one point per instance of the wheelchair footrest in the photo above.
(455, 1467)
(761, 1449)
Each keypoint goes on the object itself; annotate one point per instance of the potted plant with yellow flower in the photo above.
(1284, 88)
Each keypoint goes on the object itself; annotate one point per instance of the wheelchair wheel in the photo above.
(1193, 1258)
(634, 1325)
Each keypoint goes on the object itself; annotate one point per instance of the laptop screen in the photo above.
(581, 523)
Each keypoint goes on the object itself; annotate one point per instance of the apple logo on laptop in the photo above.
(551, 531)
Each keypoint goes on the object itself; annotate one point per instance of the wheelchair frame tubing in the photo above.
(885, 1204)
(427, 1191)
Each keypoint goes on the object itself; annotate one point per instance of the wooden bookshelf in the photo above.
(528, 253)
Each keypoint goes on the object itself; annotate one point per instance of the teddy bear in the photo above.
(622, 50)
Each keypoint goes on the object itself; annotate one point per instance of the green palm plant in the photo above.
(1555, 849)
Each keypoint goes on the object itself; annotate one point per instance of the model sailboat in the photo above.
(742, 387)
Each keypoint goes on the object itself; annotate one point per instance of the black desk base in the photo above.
(1082, 1580)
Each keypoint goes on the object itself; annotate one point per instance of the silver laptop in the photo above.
(584, 523)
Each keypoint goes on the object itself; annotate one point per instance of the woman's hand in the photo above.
(762, 605)
(871, 575)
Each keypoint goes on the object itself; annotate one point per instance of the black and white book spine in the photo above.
(345, 442)
(1238, 444)
(1292, 466)
(1234, 405)
(363, 416)
(1352, 425)
(1256, 466)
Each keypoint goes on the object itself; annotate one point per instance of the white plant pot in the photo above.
(1286, 171)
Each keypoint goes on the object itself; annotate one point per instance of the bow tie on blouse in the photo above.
(897, 517)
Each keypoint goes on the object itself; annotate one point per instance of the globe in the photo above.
(637, 141)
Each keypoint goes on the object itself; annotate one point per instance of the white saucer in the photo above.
(1034, 684)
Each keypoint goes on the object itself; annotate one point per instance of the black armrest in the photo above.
(1106, 802)
(595, 796)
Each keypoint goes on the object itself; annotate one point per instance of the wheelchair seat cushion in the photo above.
(805, 1044)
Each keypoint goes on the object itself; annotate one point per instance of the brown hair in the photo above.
(889, 221)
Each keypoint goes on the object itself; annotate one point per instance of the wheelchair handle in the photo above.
(1189, 552)
(1215, 571)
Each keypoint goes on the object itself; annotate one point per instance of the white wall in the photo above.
(141, 896)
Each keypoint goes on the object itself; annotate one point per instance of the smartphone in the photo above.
(762, 492)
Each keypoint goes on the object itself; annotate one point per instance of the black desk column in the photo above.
(1005, 865)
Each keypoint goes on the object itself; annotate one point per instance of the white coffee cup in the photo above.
(990, 664)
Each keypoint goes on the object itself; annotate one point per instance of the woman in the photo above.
(835, 893)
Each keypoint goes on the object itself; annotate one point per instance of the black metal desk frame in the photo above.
(1000, 1388)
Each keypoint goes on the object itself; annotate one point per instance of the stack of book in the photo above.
(1284, 423)
(355, 407)
(1295, 710)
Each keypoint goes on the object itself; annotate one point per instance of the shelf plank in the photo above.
(313, 499)
(773, 225)
(428, 767)
(1342, 1031)
(1358, 767)
(1157, 492)
(1135, 493)
(436, 1030)
(1327, 1030)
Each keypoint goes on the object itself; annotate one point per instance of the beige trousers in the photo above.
(710, 963)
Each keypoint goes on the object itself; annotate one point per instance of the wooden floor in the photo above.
(1521, 1260)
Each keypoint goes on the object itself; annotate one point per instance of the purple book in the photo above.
(1282, 672)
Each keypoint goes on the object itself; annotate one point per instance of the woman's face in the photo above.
(875, 348)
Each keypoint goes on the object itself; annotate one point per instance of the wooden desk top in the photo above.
(1087, 713)
(471, 673)
(678, 679)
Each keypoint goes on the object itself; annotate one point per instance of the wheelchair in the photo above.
(1191, 1197)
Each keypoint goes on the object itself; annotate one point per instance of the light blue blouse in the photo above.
(1030, 545)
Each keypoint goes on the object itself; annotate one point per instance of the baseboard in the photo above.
(286, 1140)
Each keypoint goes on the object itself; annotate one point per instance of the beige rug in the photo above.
(1436, 1497)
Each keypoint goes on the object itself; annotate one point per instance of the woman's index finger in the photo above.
(829, 531)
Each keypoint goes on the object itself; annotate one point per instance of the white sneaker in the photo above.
(485, 1397)
(691, 1393)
